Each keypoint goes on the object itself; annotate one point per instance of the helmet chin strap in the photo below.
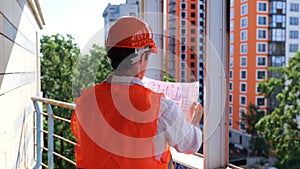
(139, 52)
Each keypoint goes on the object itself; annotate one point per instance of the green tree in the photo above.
(280, 127)
(59, 55)
(64, 75)
(258, 145)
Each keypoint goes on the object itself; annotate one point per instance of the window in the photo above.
(231, 62)
(243, 61)
(293, 47)
(182, 31)
(231, 74)
(193, 31)
(231, 49)
(183, 22)
(182, 48)
(242, 112)
(231, 25)
(193, 14)
(230, 98)
(294, 7)
(192, 56)
(278, 35)
(261, 74)
(243, 0)
(231, 37)
(182, 39)
(183, 6)
(262, 7)
(231, 2)
(244, 35)
(261, 34)
(260, 101)
(244, 22)
(193, 6)
(230, 110)
(294, 34)
(261, 20)
(258, 89)
(230, 122)
(183, 14)
(231, 13)
(294, 21)
(261, 61)
(243, 87)
(244, 9)
(230, 86)
(182, 73)
(193, 39)
(242, 127)
(261, 47)
(243, 74)
(192, 64)
(244, 48)
(243, 100)
(182, 56)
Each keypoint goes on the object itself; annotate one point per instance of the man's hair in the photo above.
(118, 55)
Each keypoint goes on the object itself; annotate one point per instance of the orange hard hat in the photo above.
(130, 32)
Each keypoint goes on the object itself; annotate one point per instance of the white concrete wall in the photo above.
(291, 27)
(19, 81)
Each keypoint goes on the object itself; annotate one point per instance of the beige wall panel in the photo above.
(21, 60)
(1, 23)
(2, 6)
(2, 67)
(8, 9)
(16, 128)
(27, 28)
(8, 45)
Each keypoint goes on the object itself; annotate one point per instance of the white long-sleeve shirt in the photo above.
(172, 126)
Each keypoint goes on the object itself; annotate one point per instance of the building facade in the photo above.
(20, 24)
(114, 12)
(185, 41)
(263, 34)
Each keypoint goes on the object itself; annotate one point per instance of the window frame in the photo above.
(264, 2)
(261, 43)
(245, 26)
(243, 70)
(266, 61)
(257, 20)
(241, 35)
(261, 70)
(243, 83)
(257, 34)
(245, 12)
(241, 104)
(244, 57)
(260, 97)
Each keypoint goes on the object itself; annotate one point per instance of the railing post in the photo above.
(50, 136)
(38, 138)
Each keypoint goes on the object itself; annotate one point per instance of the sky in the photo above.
(80, 18)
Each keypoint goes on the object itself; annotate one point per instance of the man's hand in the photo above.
(196, 112)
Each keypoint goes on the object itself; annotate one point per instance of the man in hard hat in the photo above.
(121, 124)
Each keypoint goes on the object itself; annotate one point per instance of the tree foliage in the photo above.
(258, 145)
(280, 127)
(64, 74)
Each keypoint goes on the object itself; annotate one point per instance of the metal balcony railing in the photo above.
(193, 161)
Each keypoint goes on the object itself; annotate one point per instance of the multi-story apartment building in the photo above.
(114, 12)
(185, 41)
(263, 33)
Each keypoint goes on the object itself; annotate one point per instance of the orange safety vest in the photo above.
(114, 125)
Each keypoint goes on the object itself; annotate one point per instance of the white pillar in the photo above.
(152, 13)
(216, 104)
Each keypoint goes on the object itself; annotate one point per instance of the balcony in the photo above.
(193, 161)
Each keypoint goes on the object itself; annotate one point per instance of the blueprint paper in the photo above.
(183, 94)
